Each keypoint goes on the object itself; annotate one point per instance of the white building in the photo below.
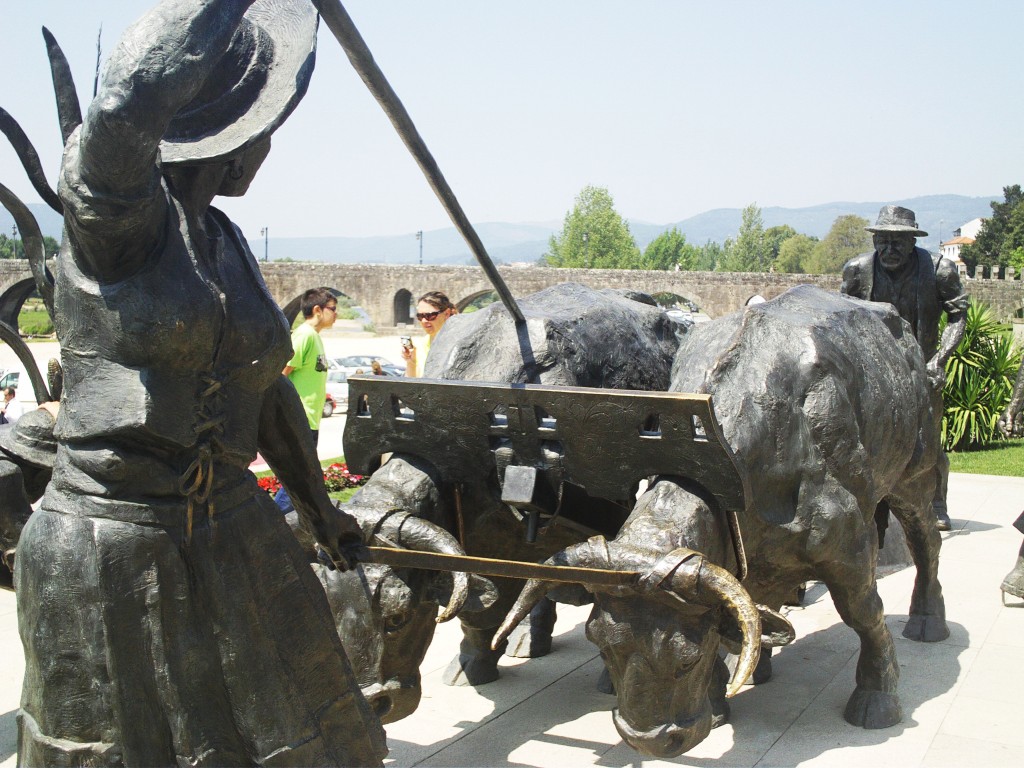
(963, 235)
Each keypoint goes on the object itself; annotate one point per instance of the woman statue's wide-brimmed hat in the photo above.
(893, 218)
(256, 85)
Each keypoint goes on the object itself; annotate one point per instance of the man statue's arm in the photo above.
(953, 300)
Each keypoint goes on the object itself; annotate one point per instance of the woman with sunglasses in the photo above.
(432, 310)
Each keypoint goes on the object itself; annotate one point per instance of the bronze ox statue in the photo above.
(570, 333)
(826, 396)
(825, 402)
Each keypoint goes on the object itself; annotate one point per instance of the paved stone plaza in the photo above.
(961, 698)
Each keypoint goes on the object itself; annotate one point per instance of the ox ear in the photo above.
(482, 592)
(775, 629)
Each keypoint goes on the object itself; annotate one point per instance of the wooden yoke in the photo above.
(533, 438)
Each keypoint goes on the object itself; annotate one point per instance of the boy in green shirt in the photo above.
(307, 370)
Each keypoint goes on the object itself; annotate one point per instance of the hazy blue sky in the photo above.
(676, 107)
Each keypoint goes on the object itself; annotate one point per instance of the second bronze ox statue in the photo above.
(824, 400)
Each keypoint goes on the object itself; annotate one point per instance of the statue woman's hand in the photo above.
(340, 536)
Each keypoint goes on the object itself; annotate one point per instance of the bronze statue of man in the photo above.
(921, 286)
(167, 613)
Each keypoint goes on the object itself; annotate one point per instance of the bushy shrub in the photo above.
(979, 381)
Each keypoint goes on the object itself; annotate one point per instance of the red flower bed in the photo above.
(336, 478)
(270, 484)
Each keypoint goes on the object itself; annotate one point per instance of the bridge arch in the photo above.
(474, 299)
(13, 299)
(402, 307)
(293, 308)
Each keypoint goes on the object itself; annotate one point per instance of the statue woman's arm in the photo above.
(286, 443)
(111, 175)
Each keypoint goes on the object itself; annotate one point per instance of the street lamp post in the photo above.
(419, 236)
(266, 243)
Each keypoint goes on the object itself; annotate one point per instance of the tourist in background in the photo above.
(432, 311)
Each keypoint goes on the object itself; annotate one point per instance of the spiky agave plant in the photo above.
(979, 381)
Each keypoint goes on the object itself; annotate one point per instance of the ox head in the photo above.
(659, 636)
(386, 616)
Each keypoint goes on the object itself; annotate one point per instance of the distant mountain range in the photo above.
(938, 215)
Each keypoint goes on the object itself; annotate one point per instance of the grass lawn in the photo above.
(1003, 458)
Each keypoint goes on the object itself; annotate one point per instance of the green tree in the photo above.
(8, 247)
(593, 235)
(749, 252)
(708, 257)
(794, 253)
(846, 239)
(1002, 234)
(774, 237)
(11, 248)
(666, 251)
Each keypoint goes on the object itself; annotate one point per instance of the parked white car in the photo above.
(337, 389)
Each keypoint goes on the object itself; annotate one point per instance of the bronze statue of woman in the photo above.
(168, 615)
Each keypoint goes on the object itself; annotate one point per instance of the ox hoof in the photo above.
(604, 682)
(873, 709)
(926, 629)
(466, 670)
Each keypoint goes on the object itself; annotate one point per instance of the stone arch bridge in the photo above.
(386, 292)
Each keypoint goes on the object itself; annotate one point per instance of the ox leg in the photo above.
(605, 684)
(532, 638)
(763, 670)
(720, 710)
(476, 663)
(927, 620)
(874, 703)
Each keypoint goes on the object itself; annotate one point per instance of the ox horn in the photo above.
(406, 530)
(593, 553)
(690, 576)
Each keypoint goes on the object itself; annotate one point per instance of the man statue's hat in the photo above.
(893, 218)
(254, 87)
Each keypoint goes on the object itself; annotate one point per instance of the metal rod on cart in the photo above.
(485, 566)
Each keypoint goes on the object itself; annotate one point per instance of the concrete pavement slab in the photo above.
(961, 697)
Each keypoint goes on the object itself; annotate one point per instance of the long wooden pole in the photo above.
(485, 566)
